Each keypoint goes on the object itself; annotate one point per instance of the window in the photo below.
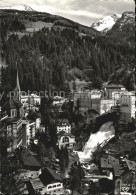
(54, 186)
(65, 139)
(13, 113)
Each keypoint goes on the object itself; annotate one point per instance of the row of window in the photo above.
(54, 186)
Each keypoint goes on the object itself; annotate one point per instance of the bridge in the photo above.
(100, 120)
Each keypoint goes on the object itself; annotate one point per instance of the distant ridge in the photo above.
(20, 7)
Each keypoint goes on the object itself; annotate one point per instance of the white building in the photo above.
(128, 109)
(64, 125)
(66, 140)
(48, 182)
(35, 99)
(109, 89)
(39, 187)
(95, 94)
(31, 128)
(32, 99)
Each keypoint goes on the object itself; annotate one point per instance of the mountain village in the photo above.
(22, 128)
(77, 137)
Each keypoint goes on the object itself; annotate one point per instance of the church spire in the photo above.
(17, 83)
(17, 89)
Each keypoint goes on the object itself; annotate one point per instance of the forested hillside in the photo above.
(64, 51)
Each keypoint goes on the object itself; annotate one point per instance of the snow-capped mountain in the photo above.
(20, 7)
(126, 19)
(106, 23)
(125, 25)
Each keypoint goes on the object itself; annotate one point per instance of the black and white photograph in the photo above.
(67, 97)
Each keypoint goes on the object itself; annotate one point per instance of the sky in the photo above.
(83, 11)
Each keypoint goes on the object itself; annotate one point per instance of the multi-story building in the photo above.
(30, 102)
(14, 132)
(127, 102)
(84, 98)
(31, 128)
(109, 89)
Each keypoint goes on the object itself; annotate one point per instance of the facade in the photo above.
(14, 133)
(31, 128)
(109, 89)
(66, 140)
(35, 99)
(30, 102)
(64, 125)
(117, 95)
(106, 105)
(95, 94)
(128, 109)
(96, 105)
(38, 187)
(80, 98)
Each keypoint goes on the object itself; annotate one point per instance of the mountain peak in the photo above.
(106, 23)
(127, 21)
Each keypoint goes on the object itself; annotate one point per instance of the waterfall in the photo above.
(105, 133)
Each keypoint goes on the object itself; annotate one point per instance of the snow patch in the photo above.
(106, 23)
(20, 7)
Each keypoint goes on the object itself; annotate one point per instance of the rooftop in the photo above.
(131, 165)
(49, 176)
(12, 103)
(63, 133)
(63, 122)
(36, 183)
(29, 160)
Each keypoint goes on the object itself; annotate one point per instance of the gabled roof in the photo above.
(29, 160)
(49, 176)
(63, 122)
(131, 165)
(118, 170)
(12, 103)
(109, 162)
(113, 86)
(63, 133)
(113, 161)
(105, 163)
(36, 183)
(55, 175)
